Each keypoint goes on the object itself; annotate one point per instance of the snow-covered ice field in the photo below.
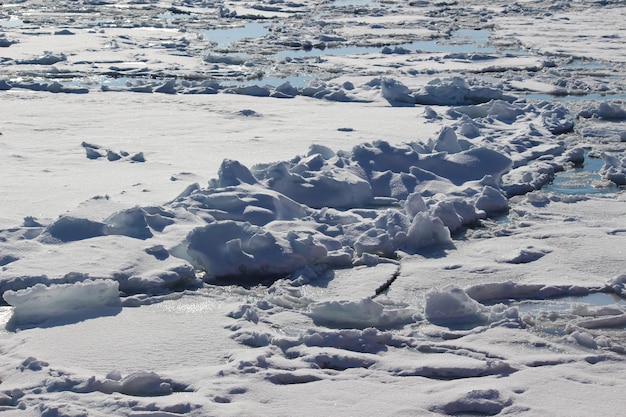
(337, 208)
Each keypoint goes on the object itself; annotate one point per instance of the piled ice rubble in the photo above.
(614, 168)
(327, 208)
(604, 111)
(334, 208)
(606, 121)
(454, 91)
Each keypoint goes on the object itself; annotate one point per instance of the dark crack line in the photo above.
(383, 288)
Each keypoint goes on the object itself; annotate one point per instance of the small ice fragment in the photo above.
(43, 304)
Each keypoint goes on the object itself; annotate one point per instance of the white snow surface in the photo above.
(342, 208)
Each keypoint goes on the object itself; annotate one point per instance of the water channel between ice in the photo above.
(464, 41)
(581, 180)
(596, 299)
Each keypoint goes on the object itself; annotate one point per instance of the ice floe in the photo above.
(340, 208)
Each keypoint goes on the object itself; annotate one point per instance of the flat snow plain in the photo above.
(300, 208)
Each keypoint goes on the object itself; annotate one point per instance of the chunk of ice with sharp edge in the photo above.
(452, 305)
(63, 302)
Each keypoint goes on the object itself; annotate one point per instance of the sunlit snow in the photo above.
(299, 208)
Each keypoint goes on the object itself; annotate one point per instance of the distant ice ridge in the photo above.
(452, 91)
(446, 91)
(41, 304)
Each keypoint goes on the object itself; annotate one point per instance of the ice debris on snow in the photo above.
(138, 384)
(359, 314)
(47, 58)
(93, 151)
(494, 291)
(456, 91)
(452, 305)
(33, 364)
(453, 91)
(476, 402)
(277, 218)
(41, 304)
(614, 168)
(333, 208)
(605, 111)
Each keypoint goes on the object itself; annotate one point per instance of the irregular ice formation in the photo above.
(452, 305)
(614, 168)
(48, 58)
(455, 91)
(618, 284)
(359, 314)
(604, 110)
(45, 304)
(452, 91)
(135, 222)
(439, 187)
(476, 402)
(490, 292)
(525, 255)
(229, 248)
(138, 384)
(556, 118)
(396, 92)
(321, 209)
(328, 208)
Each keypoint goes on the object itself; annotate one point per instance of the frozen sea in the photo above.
(342, 208)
